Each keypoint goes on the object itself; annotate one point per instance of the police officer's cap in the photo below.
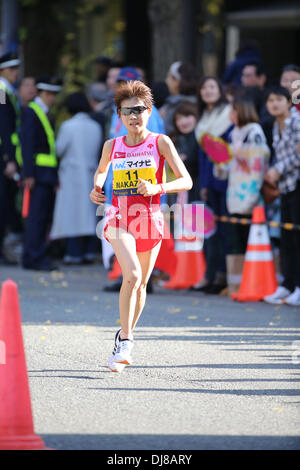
(9, 59)
(49, 83)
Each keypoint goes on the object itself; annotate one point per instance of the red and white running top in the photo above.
(132, 162)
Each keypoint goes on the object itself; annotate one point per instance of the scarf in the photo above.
(214, 122)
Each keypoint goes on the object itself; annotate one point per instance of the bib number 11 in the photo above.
(135, 173)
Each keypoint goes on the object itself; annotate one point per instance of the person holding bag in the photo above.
(285, 172)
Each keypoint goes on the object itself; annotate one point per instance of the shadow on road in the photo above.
(168, 441)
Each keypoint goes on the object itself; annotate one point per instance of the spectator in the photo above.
(96, 95)
(185, 119)
(254, 75)
(247, 52)
(254, 80)
(10, 149)
(245, 171)
(107, 105)
(182, 85)
(289, 75)
(103, 65)
(40, 172)
(215, 123)
(78, 145)
(160, 93)
(27, 90)
(285, 173)
(231, 91)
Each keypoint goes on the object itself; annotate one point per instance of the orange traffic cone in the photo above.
(16, 423)
(190, 267)
(115, 272)
(259, 274)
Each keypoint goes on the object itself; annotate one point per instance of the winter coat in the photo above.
(78, 146)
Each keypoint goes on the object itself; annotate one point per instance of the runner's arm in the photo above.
(183, 181)
(97, 195)
(103, 167)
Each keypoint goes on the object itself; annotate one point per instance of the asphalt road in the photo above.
(208, 373)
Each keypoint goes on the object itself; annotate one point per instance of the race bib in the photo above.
(126, 180)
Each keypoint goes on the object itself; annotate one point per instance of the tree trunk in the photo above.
(43, 38)
(10, 25)
(167, 32)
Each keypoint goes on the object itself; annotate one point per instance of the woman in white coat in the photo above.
(78, 145)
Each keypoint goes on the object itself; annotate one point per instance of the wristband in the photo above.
(163, 191)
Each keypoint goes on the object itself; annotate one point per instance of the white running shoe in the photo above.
(115, 366)
(294, 298)
(123, 354)
(279, 295)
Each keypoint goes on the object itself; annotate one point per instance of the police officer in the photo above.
(10, 149)
(40, 172)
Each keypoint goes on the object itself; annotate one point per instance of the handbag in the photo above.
(270, 192)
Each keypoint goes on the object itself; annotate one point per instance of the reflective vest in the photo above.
(45, 159)
(15, 135)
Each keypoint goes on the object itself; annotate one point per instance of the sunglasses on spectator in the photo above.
(135, 110)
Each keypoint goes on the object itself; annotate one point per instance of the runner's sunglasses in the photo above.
(135, 110)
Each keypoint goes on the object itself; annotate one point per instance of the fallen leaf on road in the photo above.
(68, 310)
(95, 297)
(55, 275)
(207, 319)
(174, 310)
(118, 321)
(47, 322)
(192, 317)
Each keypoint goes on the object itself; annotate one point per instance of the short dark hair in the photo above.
(279, 91)
(188, 79)
(291, 68)
(259, 67)
(186, 108)
(134, 89)
(77, 103)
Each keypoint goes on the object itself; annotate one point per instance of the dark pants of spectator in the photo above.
(9, 215)
(81, 248)
(216, 247)
(290, 239)
(37, 226)
(13, 215)
(238, 235)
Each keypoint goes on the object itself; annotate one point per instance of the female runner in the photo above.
(135, 221)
